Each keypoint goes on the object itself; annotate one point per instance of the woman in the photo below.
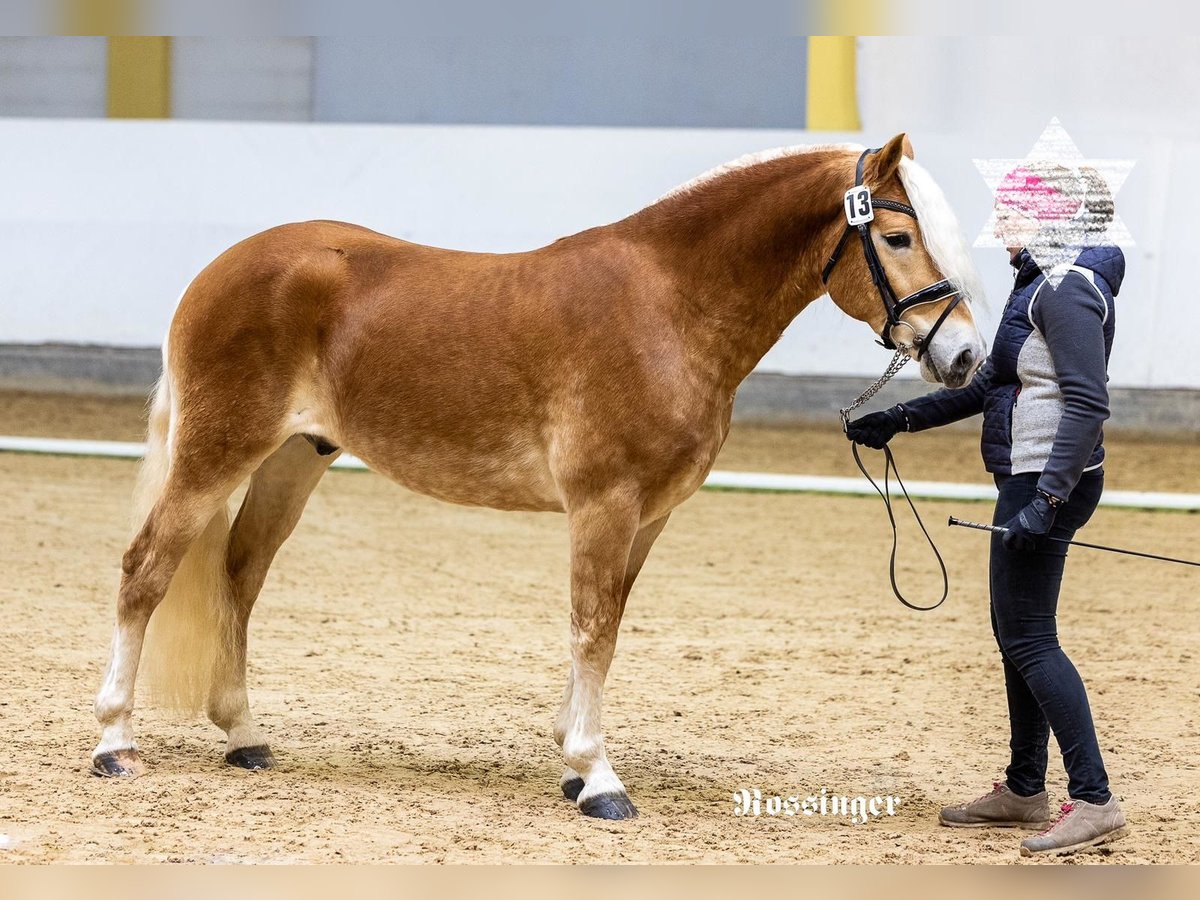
(1043, 394)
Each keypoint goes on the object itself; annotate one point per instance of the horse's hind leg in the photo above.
(178, 519)
(272, 507)
(571, 783)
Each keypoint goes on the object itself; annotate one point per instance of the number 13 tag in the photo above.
(858, 205)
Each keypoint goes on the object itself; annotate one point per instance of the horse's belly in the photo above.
(515, 479)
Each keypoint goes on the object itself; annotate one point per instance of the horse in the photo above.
(594, 376)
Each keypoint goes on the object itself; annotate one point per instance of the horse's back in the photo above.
(285, 291)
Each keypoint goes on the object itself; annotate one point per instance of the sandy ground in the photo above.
(407, 658)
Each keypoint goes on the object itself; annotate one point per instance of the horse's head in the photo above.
(915, 282)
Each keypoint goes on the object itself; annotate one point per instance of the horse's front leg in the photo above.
(602, 536)
(571, 783)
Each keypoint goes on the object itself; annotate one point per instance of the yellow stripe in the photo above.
(139, 77)
(855, 16)
(832, 85)
(96, 17)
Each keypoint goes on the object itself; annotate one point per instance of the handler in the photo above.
(1043, 394)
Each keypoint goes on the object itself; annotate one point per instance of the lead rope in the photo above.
(889, 468)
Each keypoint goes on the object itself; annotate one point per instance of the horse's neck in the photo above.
(745, 253)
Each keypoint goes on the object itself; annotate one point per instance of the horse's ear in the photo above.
(883, 165)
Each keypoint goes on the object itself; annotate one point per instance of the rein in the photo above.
(889, 469)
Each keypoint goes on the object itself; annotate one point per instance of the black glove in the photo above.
(1028, 528)
(878, 428)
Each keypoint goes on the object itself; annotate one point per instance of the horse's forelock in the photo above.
(941, 232)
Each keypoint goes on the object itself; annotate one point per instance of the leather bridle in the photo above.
(860, 207)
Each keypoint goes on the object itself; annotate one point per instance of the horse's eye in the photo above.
(897, 240)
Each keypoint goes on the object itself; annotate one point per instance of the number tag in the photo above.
(858, 205)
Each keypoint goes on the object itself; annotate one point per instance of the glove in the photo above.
(878, 428)
(1028, 528)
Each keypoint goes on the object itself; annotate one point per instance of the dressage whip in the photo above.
(999, 529)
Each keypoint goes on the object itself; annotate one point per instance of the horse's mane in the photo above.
(939, 226)
(753, 159)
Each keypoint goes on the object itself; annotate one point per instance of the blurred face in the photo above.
(1016, 229)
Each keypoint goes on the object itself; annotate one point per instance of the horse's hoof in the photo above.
(572, 788)
(252, 758)
(118, 764)
(608, 806)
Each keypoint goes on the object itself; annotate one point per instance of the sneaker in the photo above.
(999, 809)
(1080, 825)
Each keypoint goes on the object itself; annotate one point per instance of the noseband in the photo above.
(860, 209)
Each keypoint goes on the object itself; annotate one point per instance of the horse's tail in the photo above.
(191, 627)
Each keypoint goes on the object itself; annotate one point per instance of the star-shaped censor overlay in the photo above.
(1054, 202)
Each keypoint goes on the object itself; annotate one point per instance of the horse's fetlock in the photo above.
(218, 714)
(108, 710)
(581, 753)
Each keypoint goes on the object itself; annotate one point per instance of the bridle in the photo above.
(860, 208)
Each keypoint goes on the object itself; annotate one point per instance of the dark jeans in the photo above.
(1044, 691)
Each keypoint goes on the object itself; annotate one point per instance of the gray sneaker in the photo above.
(1081, 825)
(999, 809)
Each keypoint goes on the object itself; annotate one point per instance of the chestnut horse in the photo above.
(594, 376)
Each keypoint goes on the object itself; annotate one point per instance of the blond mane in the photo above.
(939, 226)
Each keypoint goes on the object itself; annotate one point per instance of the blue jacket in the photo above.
(1043, 389)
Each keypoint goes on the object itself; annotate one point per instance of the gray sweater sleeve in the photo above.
(1071, 318)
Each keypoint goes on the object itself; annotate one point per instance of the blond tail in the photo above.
(191, 628)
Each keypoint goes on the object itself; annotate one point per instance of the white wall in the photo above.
(104, 223)
(994, 87)
(1132, 96)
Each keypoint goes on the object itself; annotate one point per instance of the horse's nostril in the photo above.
(963, 361)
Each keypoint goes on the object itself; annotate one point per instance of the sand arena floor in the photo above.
(407, 659)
